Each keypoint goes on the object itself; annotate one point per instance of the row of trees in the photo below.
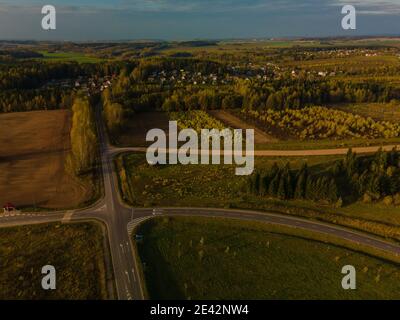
(191, 98)
(290, 93)
(367, 178)
(196, 120)
(323, 123)
(83, 136)
(113, 113)
(253, 95)
(285, 184)
(276, 95)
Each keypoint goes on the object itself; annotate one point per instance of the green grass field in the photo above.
(68, 56)
(209, 258)
(75, 250)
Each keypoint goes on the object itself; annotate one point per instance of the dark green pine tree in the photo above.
(289, 186)
(282, 194)
(332, 191)
(374, 186)
(274, 169)
(301, 183)
(310, 189)
(350, 162)
(274, 185)
(264, 182)
(393, 158)
(257, 183)
(288, 182)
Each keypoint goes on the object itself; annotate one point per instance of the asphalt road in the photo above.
(119, 218)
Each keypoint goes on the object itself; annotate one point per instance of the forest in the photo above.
(268, 93)
(276, 93)
(365, 178)
(22, 84)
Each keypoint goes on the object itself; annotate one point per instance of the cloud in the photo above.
(374, 7)
(213, 6)
(195, 6)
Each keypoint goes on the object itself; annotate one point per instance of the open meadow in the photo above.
(68, 57)
(206, 258)
(75, 250)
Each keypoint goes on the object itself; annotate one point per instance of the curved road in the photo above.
(121, 219)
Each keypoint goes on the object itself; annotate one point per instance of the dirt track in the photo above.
(260, 137)
(33, 148)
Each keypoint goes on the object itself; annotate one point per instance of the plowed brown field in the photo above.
(33, 147)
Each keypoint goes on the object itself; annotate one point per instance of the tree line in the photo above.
(83, 137)
(36, 99)
(284, 92)
(285, 184)
(113, 113)
(21, 85)
(33, 74)
(355, 178)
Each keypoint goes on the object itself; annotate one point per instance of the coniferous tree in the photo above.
(281, 194)
(301, 183)
(274, 185)
(264, 180)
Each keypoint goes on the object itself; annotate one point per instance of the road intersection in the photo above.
(120, 220)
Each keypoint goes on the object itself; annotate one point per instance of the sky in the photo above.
(93, 20)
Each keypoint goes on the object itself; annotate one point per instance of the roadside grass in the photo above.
(68, 56)
(75, 250)
(217, 186)
(216, 258)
